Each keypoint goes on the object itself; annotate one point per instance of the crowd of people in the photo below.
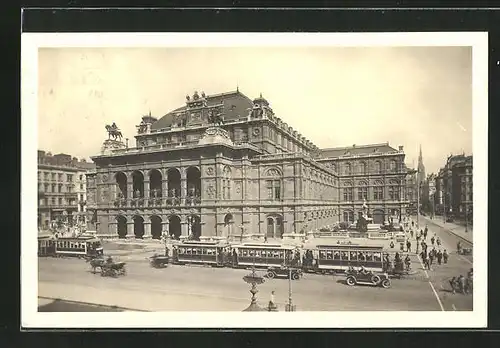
(433, 254)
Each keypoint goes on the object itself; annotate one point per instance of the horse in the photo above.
(113, 132)
(216, 120)
(95, 262)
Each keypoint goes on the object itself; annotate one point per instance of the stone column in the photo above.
(184, 229)
(130, 229)
(165, 227)
(164, 188)
(146, 189)
(147, 229)
(113, 228)
(130, 187)
(183, 190)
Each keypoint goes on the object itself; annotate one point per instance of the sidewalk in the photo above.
(455, 229)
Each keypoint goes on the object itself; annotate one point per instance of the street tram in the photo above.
(340, 257)
(195, 252)
(69, 246)
(261, 255)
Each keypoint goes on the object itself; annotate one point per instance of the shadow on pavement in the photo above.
(66, 306)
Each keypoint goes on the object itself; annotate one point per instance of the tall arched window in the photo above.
(378, 191)
(362, 168)
(348, 191)
(378, 167)
(226, 183)
(348, 169)
(393, 190)
(393, 166)
(273, 184)
(362, 191)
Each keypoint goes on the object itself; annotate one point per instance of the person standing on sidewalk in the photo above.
(408, 246)
(439, 257)
(426, 230)
(438, 242)
(433, 240)
(445, 256)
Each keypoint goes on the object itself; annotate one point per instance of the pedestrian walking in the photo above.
(408, 246)
(439, 257)
(459, 247)
(431, 257)
(424, 233)
(461, 284)
(438, 242)
(453, 285)
(272, 304)
(411, 233)
(445, 256)
(408, 262)
(426, 230)
(433, 240)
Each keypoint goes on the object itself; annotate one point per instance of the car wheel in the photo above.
(375, 279)
(351, 281)
(271, 274)
(386, 283)
(295, 276)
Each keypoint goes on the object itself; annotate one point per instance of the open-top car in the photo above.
(355, 277)
(284, 271)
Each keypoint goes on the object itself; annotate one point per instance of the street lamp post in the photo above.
(290, 307)
(466, 210)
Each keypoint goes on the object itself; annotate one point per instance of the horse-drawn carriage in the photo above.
(107, 267)
(355, 277)
(113, 269)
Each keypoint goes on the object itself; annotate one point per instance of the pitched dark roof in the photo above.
(357, 150)
(235, 106)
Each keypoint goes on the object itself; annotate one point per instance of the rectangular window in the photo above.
(53, 176)
(59, 188)
(348, 194)
(69, 177)
(60, 201)
(46, 176)
(81, 177)
(81, 186)
(273, 189)
(362, 193)
(53, 200)
(59, 176)
(53, 187)
(378, 193)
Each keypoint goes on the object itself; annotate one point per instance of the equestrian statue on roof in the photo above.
(114, 132)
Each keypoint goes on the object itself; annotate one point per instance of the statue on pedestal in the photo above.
(114, 132)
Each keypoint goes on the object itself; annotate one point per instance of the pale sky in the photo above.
(333, 96)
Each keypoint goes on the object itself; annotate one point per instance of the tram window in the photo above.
(344, 255)
(251, 252)
(329, 255)
(377, 257)
(322, 254)
(369, 256)
(362, 256)
(336, 255)
(353, 256)
(245, 252)
(188, 251)
(182, 250)
(198, 251)
(263, 253)
(282, 254)
(257, 253)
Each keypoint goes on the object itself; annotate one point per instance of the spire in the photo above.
(420, 153)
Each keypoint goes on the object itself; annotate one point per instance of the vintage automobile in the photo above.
(368, 278)
(284, 271)
(158, 261)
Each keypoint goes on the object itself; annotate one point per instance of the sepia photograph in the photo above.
(184, 180)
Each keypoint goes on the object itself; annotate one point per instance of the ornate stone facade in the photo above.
(220, 165)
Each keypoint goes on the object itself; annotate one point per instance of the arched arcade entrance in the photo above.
(121, 182)
(156, 227)
(193, 176)
(138, 227)
(174, 227)
(155, 179)
(194, 226)
(121, 226)
(174, 185)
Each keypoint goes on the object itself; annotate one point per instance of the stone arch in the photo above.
(273, 172)
(228, 224)
(121, 183)
(156, 227)
(274, 224)
(194, 226)
(137, 184)
(174, 184)
(193, 178)
(362, 183)
(138, 226)
(121, 226)
(155, 183)
(347, 168)
(174, 227)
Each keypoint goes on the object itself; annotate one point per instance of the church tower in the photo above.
(421, 168)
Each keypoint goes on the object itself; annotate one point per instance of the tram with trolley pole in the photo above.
(214, 254)
(261, 255)
(81, 247)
